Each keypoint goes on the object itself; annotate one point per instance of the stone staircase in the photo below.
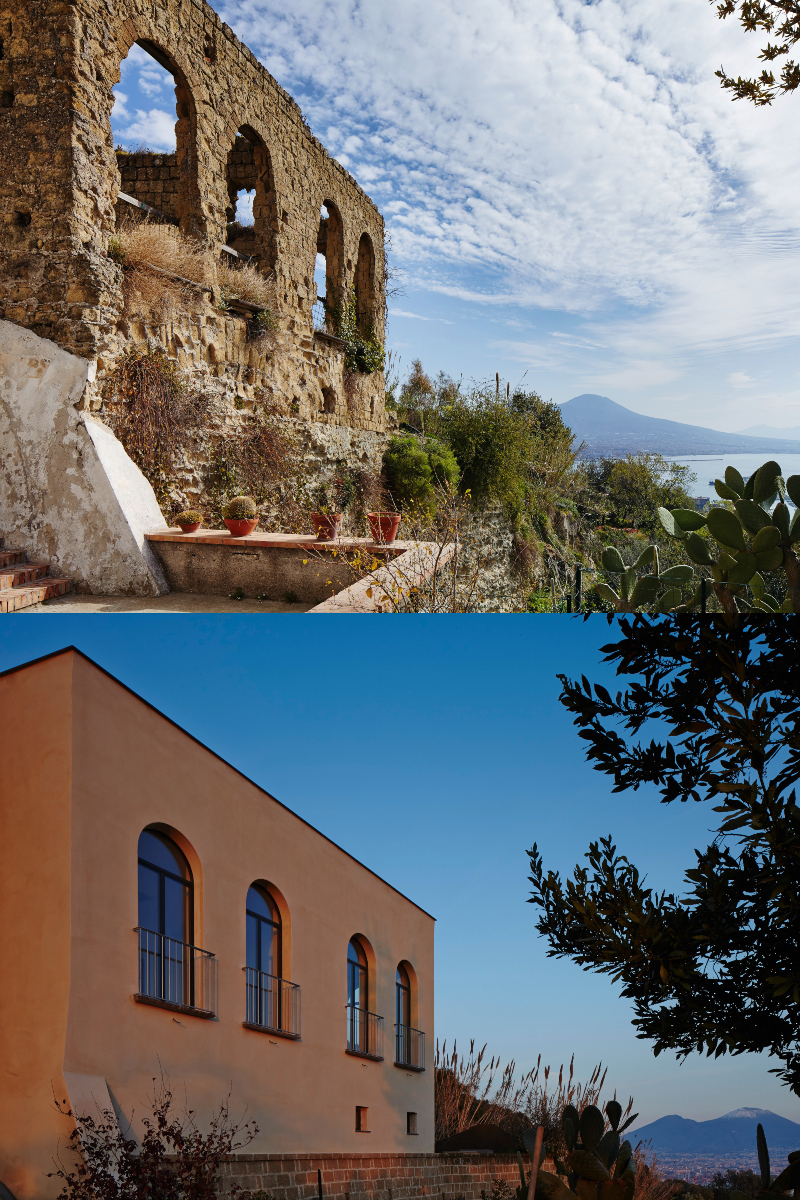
(23, 584)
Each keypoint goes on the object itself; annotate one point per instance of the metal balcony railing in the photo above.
(272, 1003)
(176, 973)
(364, 1032)
(409, 1047)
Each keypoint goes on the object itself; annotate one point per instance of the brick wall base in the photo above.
(457, 1176)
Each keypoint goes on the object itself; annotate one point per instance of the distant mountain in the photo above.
(608, 428)
(770, 431)
(733, 1133)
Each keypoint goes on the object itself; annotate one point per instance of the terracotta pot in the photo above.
(383, 526)
(192, 527)
(240, 528)
(326, 525)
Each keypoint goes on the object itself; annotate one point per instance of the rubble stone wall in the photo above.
(151, 178)
(59, 60)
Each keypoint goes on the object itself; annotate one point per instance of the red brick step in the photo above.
(23, 584)
(15, 598)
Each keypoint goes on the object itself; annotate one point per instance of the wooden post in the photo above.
(536, 1154)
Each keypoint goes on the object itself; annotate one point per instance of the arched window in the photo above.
(272, 1002)
(409, 1042)
(364, 1029)
(403, 996)
(252, 203)
(166, 903)
(163, 176)
(329, 268)
(356, 976)
(165, 888)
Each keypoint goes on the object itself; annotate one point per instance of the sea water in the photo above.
(706, 468)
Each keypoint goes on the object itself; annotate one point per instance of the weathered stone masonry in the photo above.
(236, 127)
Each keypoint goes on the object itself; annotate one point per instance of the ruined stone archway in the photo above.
(365, 284)
(249, 167)
(170, 180)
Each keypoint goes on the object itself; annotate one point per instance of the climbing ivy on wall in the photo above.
(364, 352)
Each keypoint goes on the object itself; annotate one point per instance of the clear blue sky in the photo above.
(436, 752)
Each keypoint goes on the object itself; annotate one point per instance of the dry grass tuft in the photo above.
(246, 283)
(145, 250)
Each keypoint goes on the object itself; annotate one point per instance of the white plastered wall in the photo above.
(69, 494)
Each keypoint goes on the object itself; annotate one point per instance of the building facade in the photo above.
(163, 914)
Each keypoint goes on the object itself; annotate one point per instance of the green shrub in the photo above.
(508, 451)
(414, 470)
(240, 508)
(189, 517)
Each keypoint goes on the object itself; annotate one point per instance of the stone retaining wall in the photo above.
(374, 1176)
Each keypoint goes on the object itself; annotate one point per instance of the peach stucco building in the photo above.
(162, 912)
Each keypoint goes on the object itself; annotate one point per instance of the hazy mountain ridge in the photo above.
(771, 431)
(733, 1133)
(609, 429)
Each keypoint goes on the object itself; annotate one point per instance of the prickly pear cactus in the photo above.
(788, 1179)
(758, 535)
(597, 1166)
(660, 590)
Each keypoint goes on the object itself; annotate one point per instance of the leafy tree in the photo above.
(635, 487)
(779, 17)
(417, 390)
(718, 968)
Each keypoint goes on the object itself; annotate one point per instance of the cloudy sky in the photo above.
(571, 197)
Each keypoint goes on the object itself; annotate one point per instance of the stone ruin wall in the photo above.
(236, 127)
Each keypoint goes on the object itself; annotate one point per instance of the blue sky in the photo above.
(437, 752)
(569, 192)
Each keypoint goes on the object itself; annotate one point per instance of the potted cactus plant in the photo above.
(189, 520)
(240, 515)
(598, 1167)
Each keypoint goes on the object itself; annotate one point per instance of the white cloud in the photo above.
(399, 312)
(559, 155)
(155, 129)
(739, 379)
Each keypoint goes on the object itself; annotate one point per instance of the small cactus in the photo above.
(597, 1166)
(240, 508)
(189, 517)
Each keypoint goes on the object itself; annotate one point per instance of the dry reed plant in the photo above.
(151, 256)
(470, 1091)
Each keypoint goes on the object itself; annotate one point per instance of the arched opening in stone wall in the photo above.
(252, 212)
(365, 284)
(154, 147)
(329, 264)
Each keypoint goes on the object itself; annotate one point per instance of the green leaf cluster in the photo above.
(713, 969)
